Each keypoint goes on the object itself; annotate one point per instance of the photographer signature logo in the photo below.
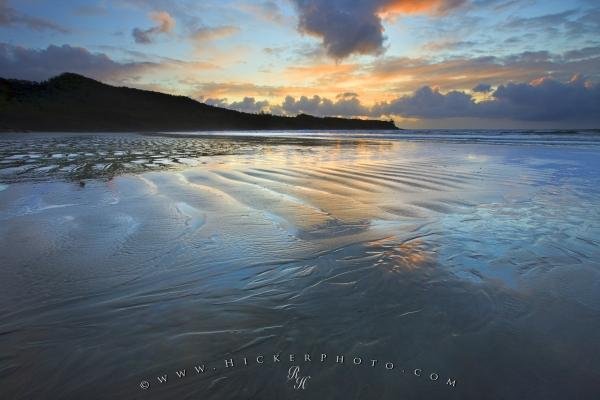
(298, 381)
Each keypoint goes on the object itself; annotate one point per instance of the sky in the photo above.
(423, 63)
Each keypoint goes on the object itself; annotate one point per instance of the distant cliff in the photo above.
(71, 102)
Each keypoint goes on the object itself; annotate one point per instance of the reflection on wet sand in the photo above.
(469, 261)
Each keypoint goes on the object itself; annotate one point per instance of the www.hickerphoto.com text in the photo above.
(294, 360)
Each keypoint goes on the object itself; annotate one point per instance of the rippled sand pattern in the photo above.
(475, 262)
(103, 156)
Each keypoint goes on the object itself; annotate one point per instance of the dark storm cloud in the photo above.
(350, 26)
(11, 17)
(39, 64)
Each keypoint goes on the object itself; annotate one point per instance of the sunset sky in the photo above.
(425, 63)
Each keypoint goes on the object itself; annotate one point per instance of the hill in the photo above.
(71, 102)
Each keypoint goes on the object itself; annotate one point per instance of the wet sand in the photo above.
(466, 270)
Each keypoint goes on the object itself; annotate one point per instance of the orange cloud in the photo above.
(165, 21)
(319, 72)
(165, 24)
(213, 33)
(437, 7)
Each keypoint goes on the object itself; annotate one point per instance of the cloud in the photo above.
(90, 10)
(428, 103)
(11, 17)
(385, 78)
(221, 90)
(574, 23)
(482, 88)
(582, 54)
(356, 27)
(448, 45)
(165, 24)
(543, 99)
(248, 104)
(345, 105)
(586, 24)
(33, 64)
(140, 36)
(405, 74)
(266, 10)
(207, 33)
(543, 21)
(320, 74)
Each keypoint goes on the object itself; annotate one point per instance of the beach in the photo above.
(440, 265)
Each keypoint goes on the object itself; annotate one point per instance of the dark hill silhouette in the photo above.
(71, 102)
